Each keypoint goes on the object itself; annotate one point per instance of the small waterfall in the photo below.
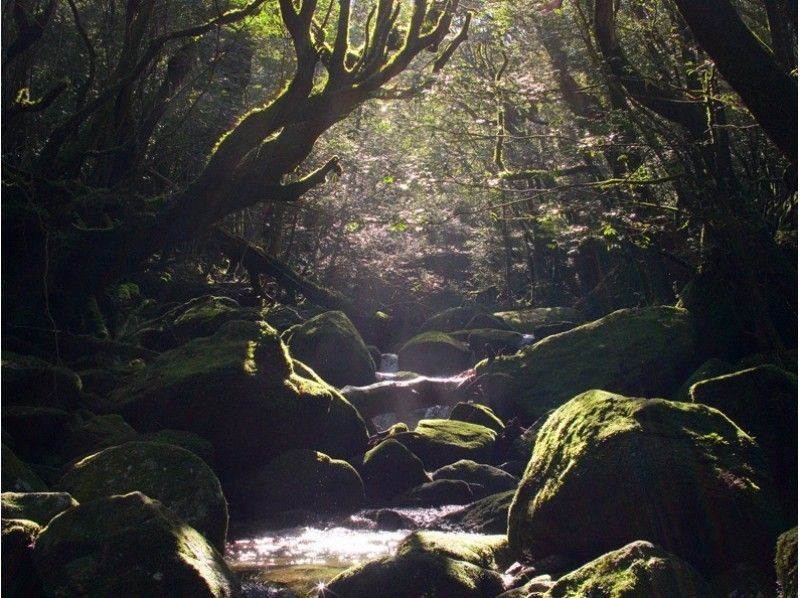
(389, 363)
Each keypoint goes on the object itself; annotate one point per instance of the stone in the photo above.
(437, 494)
(489, 343)
(177, 478)
(709, 369)
(530, 321)
(330, 344)
(389, 469)
(19, 576)
(38, 432)
(489, 515)
(439, 442)
(434, 354)
(28, 380)
(786, 563)
(128, 545)
(608, 470)
(39, 507)
(475, 413)
(18, 477)
(642, 352)
(458, 318)
(491, 479)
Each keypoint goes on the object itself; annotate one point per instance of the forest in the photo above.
(399, 298)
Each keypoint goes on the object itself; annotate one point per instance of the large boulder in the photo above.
(488, 515)
(475, 413)
(439, 442)
(536, 319)
(303, 480)
(18, 477)
(434, 354)
(18, 571)
(128, 545)
(196, 318)
(389, 469)
(427, 564)
(238, 389)
(330, 344)
(607, 470)
(459, 318)
(763, 402)
(39, 507)
(28, 380)
(638, 570)
(786, 563)
(437, 494)
(180, 480)
(642, 352)
(89, 433)
(484, 479)
(489, 343)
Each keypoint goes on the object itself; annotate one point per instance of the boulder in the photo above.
(437, 494)
(439, 442)
(18, 477)
(434, 354)
(475, 413)
(709, 369)
(185, 440)
(638, 570)
(487, 343)
(39, 507)
(486, 321)
(786, 563)
(283, 317)
(762, 401)
(478, 475)
(180, 480)
(642, 352)
(333, 348)
(457, 318)
(18, 571)
(128, 545)
(89, 433)
(390, 469)
(608, 470)
(28, 380)
(238, 390)
(38, 432)
(488, 515)
(531, 321)
(196, 318)
(306, 480)
(427, 564)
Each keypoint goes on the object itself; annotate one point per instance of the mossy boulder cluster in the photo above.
(440, 442)
(608, 470)
(642, 352)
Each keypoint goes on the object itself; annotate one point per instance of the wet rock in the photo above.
(642, 352)
(608, 470)
(238, 389)
(330, 344)
(488, 515)
(475, 413)
(128, 545)
(638, 570)
(39, 507)
(434, 354)
(303, 479)
(28, 380)
(491, 479)
(437, 494)
(19, 576)
(786, 563)
(439, 442)
(180, 480)
(18, 477)
(390, 469)
(758, 400)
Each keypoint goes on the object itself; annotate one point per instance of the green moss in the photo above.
(180, 480)
(607, 470)
(40, 507)
(440, 442)
(475, 413)
(644, 352)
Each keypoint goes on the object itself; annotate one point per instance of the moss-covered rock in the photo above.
(89, 433)
(490, 479)
(709, 369)
(638, 570)
(19, 572)
(439, 442)
(283, 317)
(608, 470)
(434, 354)
(330, 344)
(530, 321)
(475, 413)
(238, 390)
(786, 563)
(196, 318)
(487, 343)
(18, 477)
(486, 321)
(455, 318)
(643, 352)
(38, 432)
(180, 480)
(763, 401)
(128, 545)
(488, 515)
(437, 494)
(185, 440)
(427, 564)
(390, 469)
(39, 507)
(28, 380)
(307, 480)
